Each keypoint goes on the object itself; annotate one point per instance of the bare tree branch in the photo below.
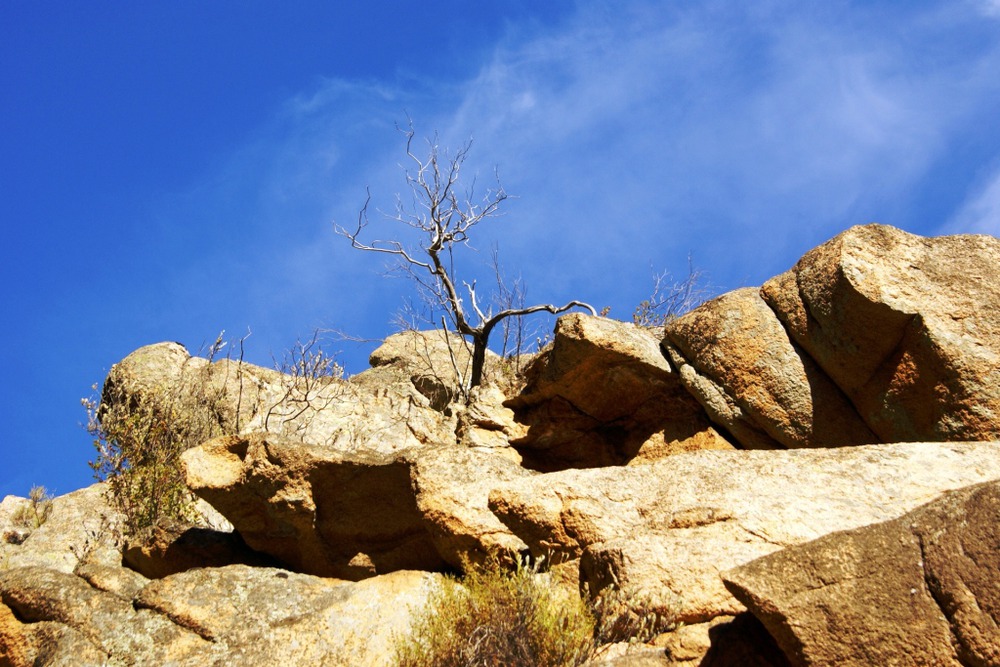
(445, 219)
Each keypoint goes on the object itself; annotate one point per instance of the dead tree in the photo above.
(444, 218)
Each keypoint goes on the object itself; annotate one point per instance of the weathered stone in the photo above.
(325, 513)
(16, 647)
(265, 616)
(906, 326)
(382, 409)
(126, 635)
(631, 656)
(117, 580)
(672, 526)
(313, 508)
(485, 422)
(80, 526)
(453, 488)
(919, 590)
(736, 358)
(211, 398)
(605, 395)
(207, 616)
(44, 643)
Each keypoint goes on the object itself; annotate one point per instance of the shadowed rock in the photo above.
(605, 395)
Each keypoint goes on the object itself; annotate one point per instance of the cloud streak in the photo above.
(633, 135)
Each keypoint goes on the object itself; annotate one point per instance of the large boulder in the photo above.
(95, 622)
(604, 394)
(907, 327)
(353, 516)
(265, 616)
(734, 355)
(673, 526)
(917, 590)
(202, 398)
(875, 336)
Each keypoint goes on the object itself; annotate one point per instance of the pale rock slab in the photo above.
(673, 526)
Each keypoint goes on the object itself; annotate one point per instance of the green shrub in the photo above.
(495, 617)
(140, 431)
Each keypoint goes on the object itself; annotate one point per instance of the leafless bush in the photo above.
(671, 298)
(307, 375)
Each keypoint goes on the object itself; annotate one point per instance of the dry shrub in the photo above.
(496, 617)
(671, 298)
(628, 615)
(139, 438)
(36, 512)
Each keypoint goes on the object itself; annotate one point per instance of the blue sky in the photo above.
(170, 170)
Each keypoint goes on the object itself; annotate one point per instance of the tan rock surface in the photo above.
(313, 508)
(736, 357)
(673, 526)
(79, 526)
(452, 488)
(234, 615)
(918, 590)
(265, 616)
(605, 395)
(381, 409)
(349, 516)
(127, 635)
(170, 547)
(906, 326)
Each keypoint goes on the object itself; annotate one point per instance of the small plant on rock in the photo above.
(628, 615)
(139, 442)
(495, 617)
(36, 512)
(671, 298)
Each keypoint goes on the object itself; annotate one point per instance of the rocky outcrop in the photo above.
(266, 616)
(207, 616)
(602, 395)
(393, 406)
(351, 516)
(919, 590)
(704, 474)
(874, 336)
(673, 526)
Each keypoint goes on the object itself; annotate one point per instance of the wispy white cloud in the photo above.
(635, 133)
(980, 213)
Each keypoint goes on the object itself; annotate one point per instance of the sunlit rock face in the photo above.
(875, 336)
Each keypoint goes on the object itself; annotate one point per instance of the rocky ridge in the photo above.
(760, 467)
